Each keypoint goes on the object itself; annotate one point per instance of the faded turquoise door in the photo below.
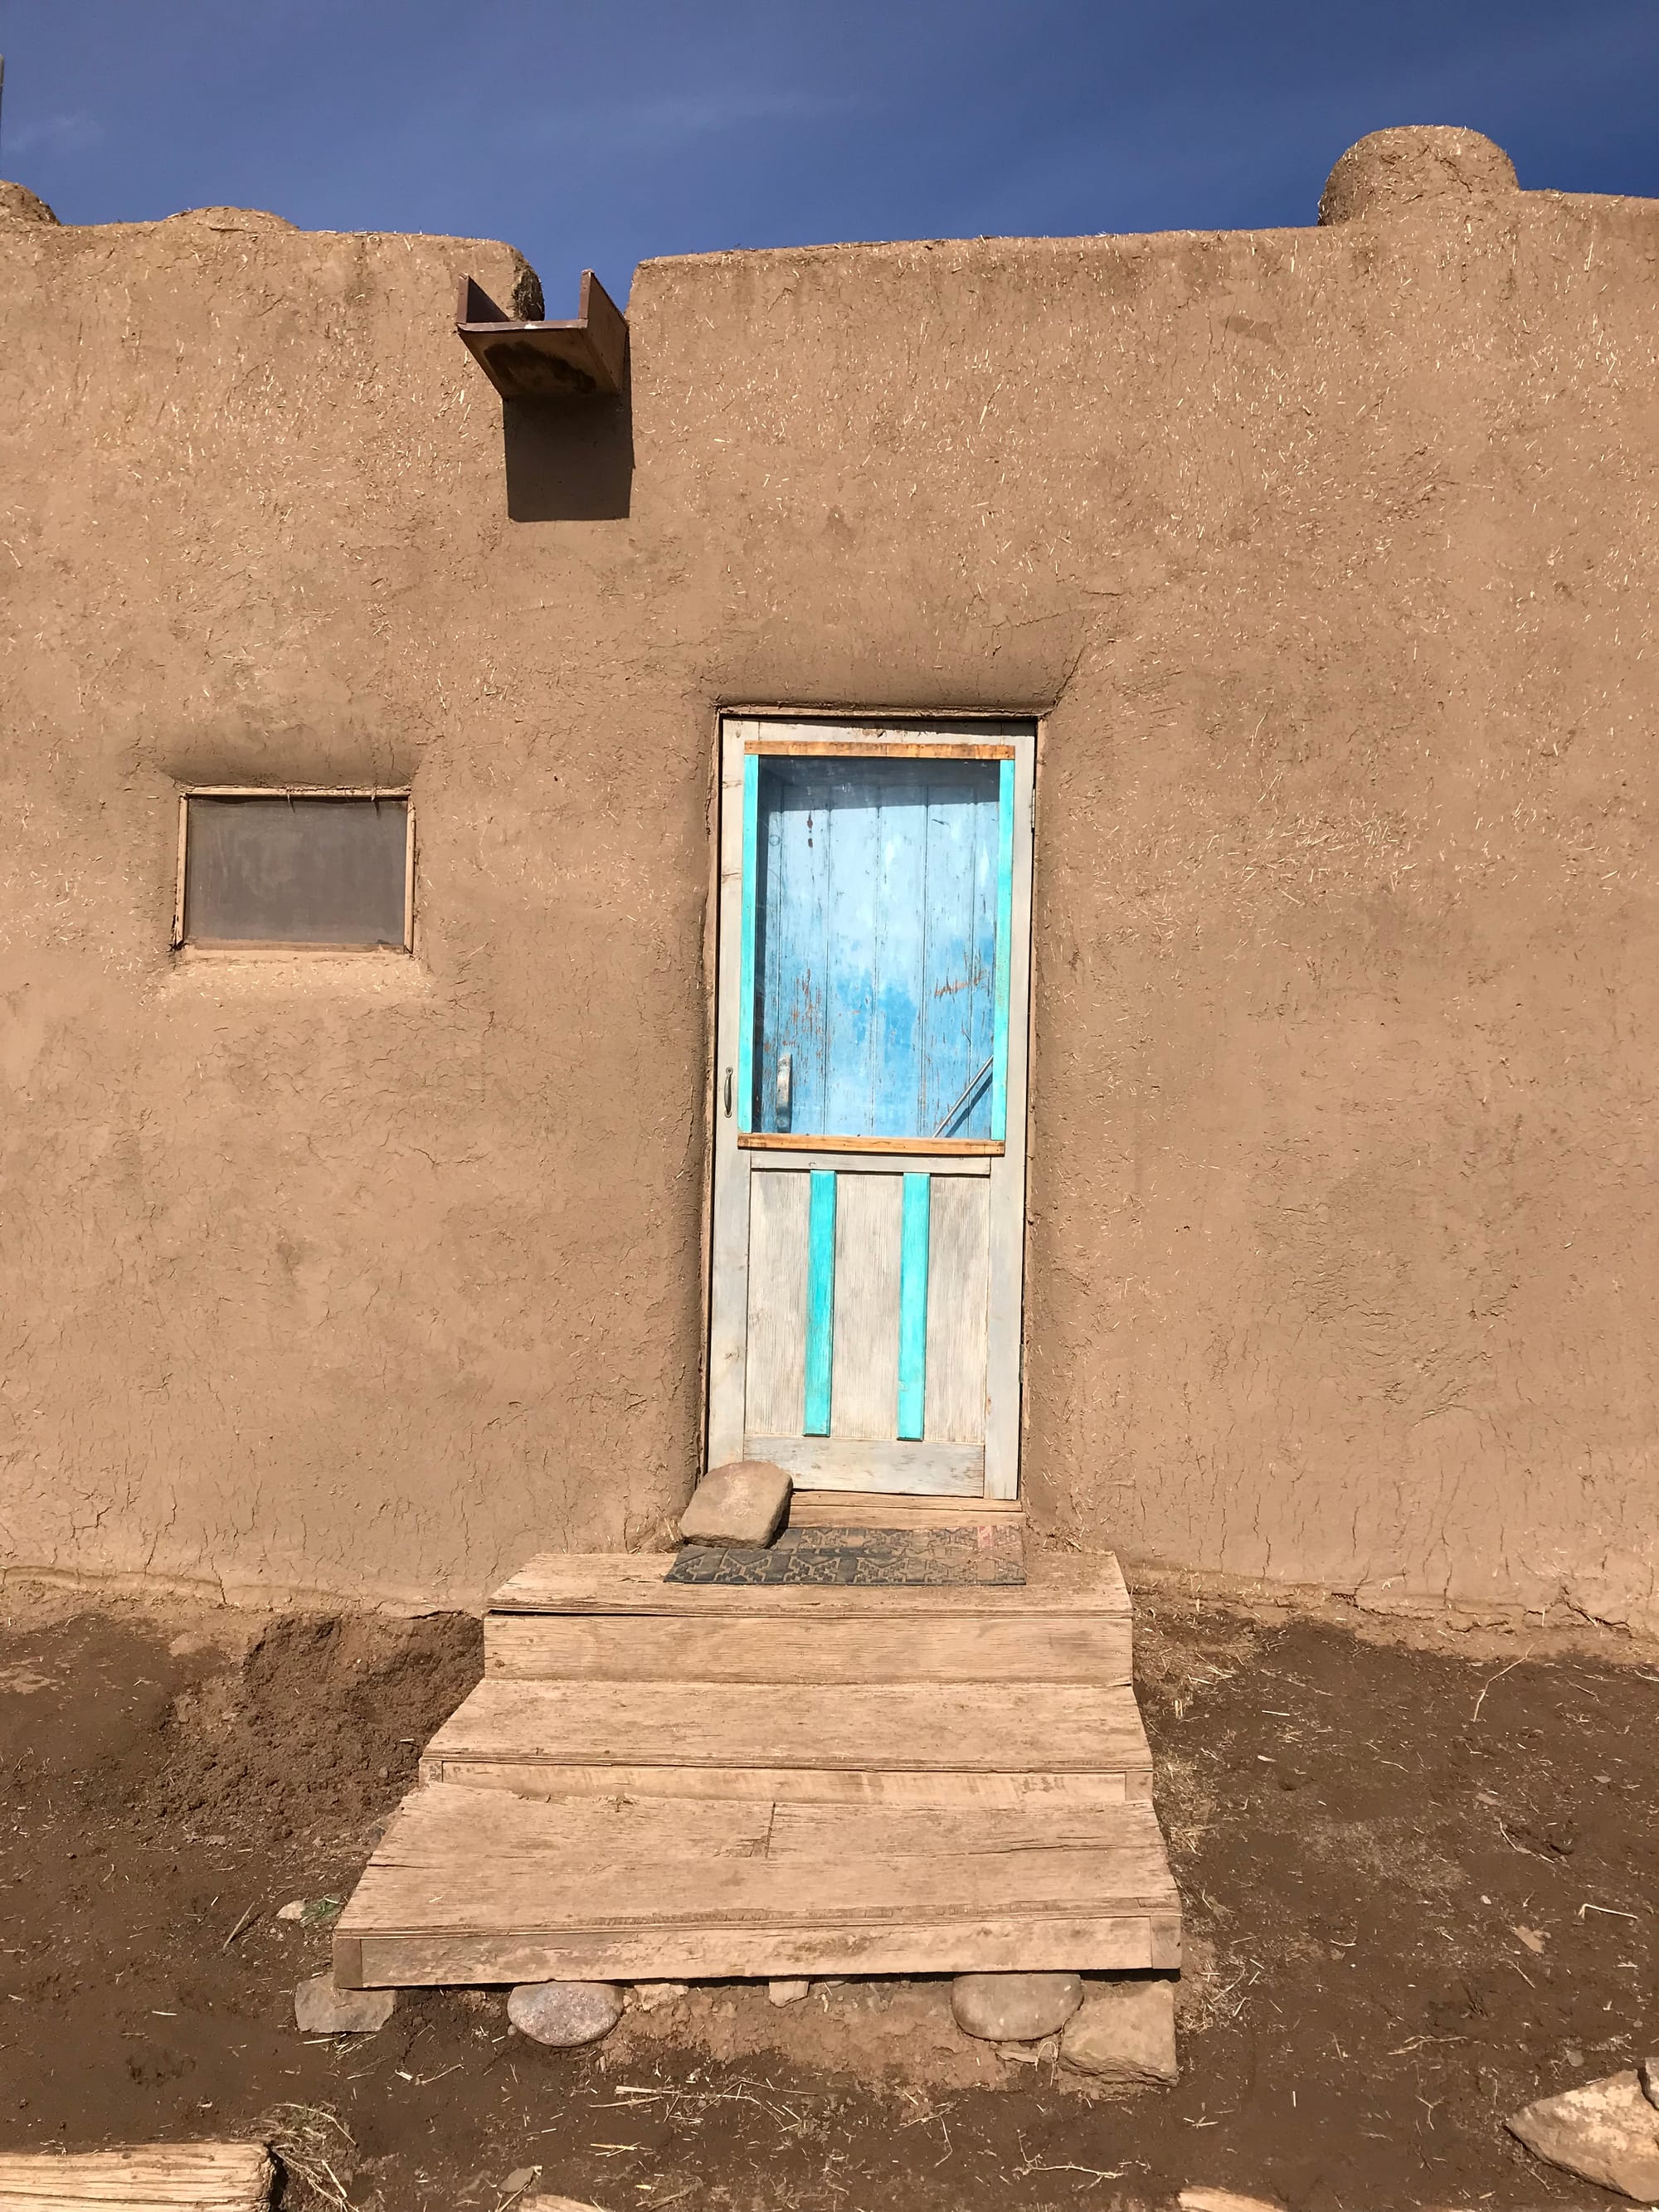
(869, 1156)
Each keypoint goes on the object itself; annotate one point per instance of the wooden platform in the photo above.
(662, 1781)
(215, 2176)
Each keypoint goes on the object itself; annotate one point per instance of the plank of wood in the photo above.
(976, 1166)
(883, 748)
(460, 1889)
(966, 1148)
(1110, 1944)
(821, 1210)
(800, 1786)
(777, 1303)
(914, 1239)
(959, 1261)
(728, 1279)
(540, 1838)
(971, 1648)
(859, 1463)
(1130, 1831)
(1049, 1728)
(871, 1509)
(632, 1582)
(211, 2177)
(865, 1398)
(1004, 1338)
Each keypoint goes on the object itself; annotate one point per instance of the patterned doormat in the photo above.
(866, 1558)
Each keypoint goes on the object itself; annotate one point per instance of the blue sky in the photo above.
(594, 135)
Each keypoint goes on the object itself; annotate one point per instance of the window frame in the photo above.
(218, 946)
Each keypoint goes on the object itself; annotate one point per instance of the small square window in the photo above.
(316, 868)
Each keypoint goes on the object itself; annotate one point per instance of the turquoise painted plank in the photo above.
(820, 1302)
(1005, 951)
(915, 1223)
(747, 985)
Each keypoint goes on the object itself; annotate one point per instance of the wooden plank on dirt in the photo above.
(527, 1647)
(802, 1785)
(462, 1888)
(1109, 1943)
(632, 1582)
(211, 2177)
(1049, 1728)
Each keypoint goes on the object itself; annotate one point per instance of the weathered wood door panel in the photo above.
(869, 1179)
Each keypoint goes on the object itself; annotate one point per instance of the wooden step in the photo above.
(471, 1887)
(810, 1740)
(571, 1617)
(876, 1508)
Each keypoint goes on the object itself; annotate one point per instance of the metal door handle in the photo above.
(728, 1094)
(785, 1087)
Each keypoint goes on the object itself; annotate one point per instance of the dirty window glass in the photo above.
(296, 870)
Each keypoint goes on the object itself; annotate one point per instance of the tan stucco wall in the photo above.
(1332, 554)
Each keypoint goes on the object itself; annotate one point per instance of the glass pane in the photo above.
(299, 870)
(875, 950)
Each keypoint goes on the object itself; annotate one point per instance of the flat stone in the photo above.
(651, 1997)
(783, 1993)
(321, 2010)
(741, 1504)
(1124, 2032)
(1607, 2131)
(564, 2013)
(1223, 2200)
(1014, 2007)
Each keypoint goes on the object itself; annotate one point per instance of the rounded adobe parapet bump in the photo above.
(1397, 172)
(230, 218)
(19, 204)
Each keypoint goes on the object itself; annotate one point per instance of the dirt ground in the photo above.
(1418, 1870)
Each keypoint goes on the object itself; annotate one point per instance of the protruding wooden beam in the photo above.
(585, 359)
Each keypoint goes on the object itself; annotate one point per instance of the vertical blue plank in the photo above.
(1005, 951)
(913, 1307)
(820, 1302)
(899, 892)
(747, 985)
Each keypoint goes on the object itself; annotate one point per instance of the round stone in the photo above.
(1014, 2007)
(565, 2012)
(1398, 172)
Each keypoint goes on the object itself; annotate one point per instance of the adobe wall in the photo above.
(1332, 554)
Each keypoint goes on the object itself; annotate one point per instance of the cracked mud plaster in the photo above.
(1332, 552)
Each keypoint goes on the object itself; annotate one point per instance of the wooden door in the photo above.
(870, 1103)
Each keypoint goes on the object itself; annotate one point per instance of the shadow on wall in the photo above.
(568, 460)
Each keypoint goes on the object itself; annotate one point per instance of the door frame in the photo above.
(726, 1210)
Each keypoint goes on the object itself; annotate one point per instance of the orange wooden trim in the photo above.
(757, 1142)
(875, 748)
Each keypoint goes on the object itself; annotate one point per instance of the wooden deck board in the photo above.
(631, 1582)
(466, 1887)
(1049, 1728)
(800, 1786)
(1082, 1648)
